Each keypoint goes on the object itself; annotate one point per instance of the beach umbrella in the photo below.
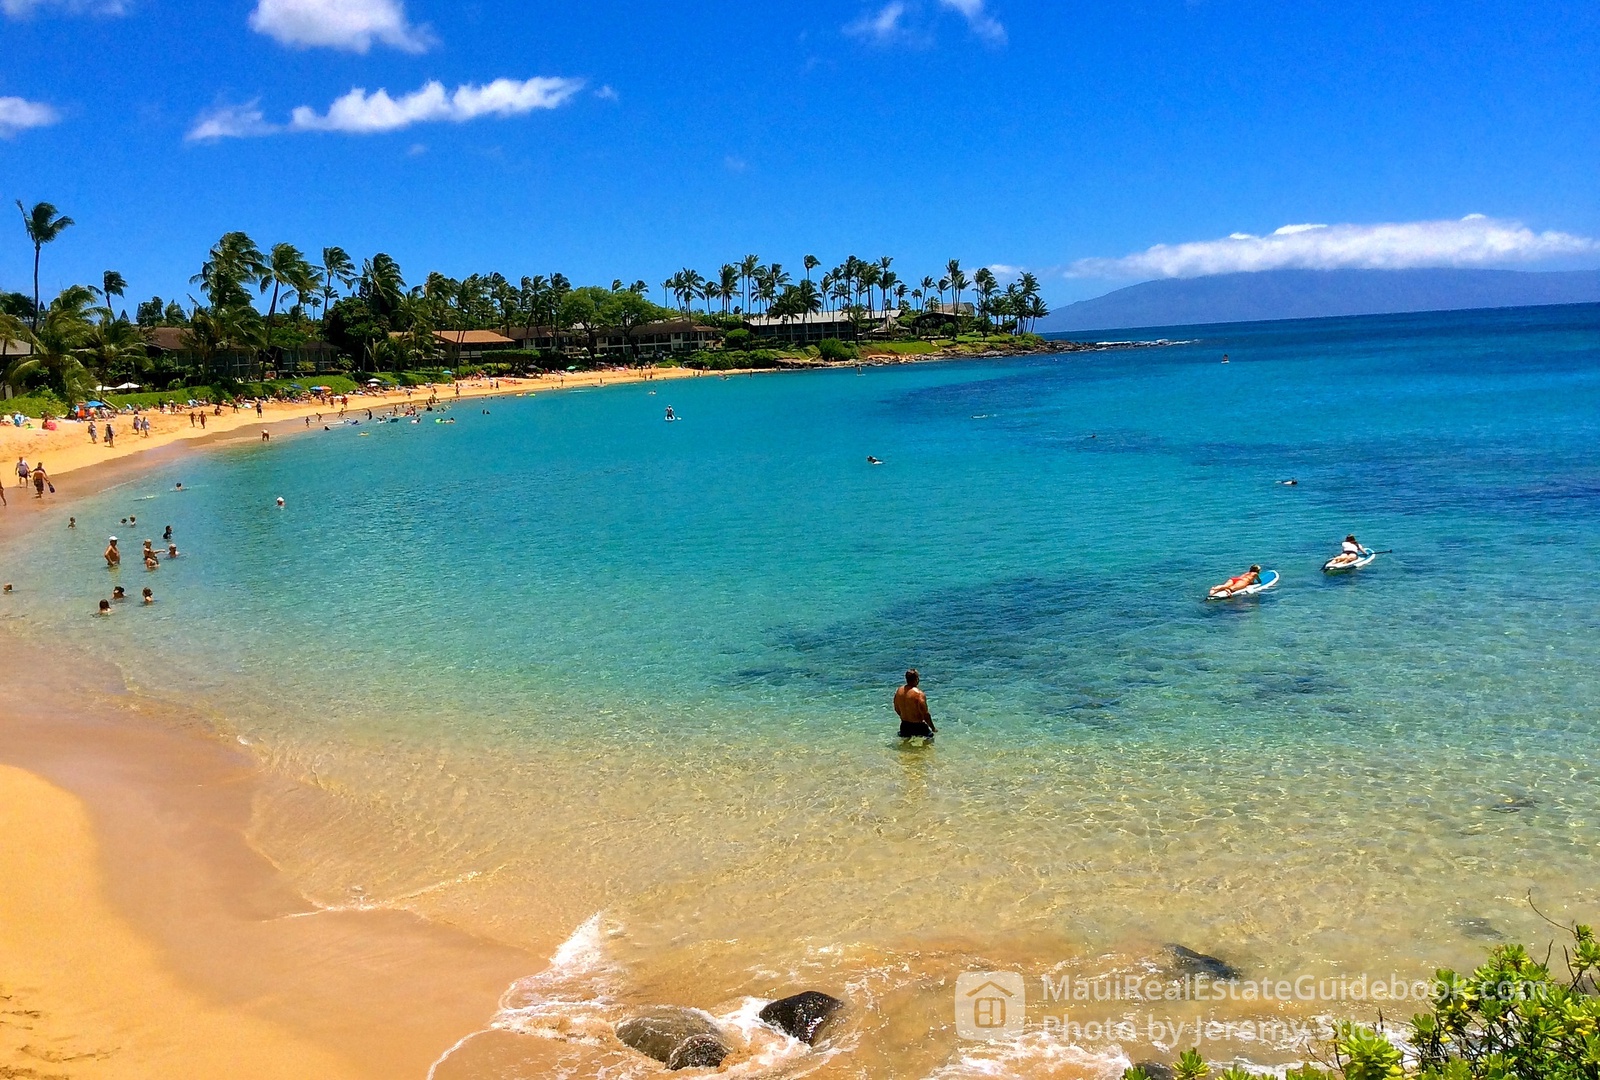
(95, 405)
(129, 386)
(574, 367)
(374, 382)
(319, 388)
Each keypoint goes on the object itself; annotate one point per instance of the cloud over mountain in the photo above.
(1474, 240)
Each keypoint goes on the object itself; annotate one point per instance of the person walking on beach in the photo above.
(40, 480)
(113, 554)
(911, 705)
(22, 472)
(111, 436)
(94, 434)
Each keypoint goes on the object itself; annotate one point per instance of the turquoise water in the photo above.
(560, 657)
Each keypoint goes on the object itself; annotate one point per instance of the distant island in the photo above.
(1310, 294)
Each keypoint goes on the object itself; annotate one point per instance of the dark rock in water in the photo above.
(801, 1016)
(1479, 928)
(1188, 962)
(678, 1038)
(1512, 804)
(1157, 1070)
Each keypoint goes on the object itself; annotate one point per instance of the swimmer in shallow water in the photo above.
(149, 597)
(911, 705)
(874, 461)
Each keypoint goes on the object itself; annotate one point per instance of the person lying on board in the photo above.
(1237, 583)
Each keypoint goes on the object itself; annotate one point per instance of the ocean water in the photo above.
(562, 672)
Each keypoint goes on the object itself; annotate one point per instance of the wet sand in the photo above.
(143, 934)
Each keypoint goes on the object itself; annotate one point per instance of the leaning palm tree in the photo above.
(811, 263)
(43, 224)
(112, 284)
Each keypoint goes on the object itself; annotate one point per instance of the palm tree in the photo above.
(986, 284)
(811, 263)
(43, 225)
(928, 286)
(59, 345)
(747, 270)
(728, 282)
(112, 284)
(958, 281)
(111, 343)
(232, 261)
(381, 283)
(336, 267)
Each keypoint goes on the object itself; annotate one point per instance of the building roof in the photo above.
(13, 347)
(166, 338)
(671, 326)
(472, 337)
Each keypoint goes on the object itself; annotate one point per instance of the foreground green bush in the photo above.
(1509, 1020)
(833, 349)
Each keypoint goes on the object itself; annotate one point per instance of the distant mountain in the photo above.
(1310, 294)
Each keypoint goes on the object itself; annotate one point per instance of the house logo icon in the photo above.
(990, 1004)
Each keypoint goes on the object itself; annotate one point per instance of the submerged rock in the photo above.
(801, 1016)
(1186, 961)
(678, 1038)
(1479, 928)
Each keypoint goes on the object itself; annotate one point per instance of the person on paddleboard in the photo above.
(1238, 582)
(1352, 546)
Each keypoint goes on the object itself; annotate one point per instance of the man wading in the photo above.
(911, 704)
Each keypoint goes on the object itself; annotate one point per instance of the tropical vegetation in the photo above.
(1511, 1019)
(257, 312)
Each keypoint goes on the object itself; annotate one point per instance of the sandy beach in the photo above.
(141, 934)
(68, 449)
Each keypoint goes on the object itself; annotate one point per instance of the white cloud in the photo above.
(361, 113)
(1474, 240)
(983, 24)
(606, 93)
(230, 122)
(19, 114)
(18, 9)
(882, 26)
(352, 25)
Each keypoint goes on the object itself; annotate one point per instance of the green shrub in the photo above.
(737, 339)
(733, 360)
(1511, 1019)
(832, 349)
(37, 404)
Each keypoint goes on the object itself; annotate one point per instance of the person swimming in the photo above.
(670, 414)
(113, 554)
(874, 461)
(911, 705)
(149, 596)
(1237, 583)
(119, 593)
(105, 607)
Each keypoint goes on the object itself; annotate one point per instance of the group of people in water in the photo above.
(150, 555)
(1351, 553)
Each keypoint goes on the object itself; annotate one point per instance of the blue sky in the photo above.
(629, 140)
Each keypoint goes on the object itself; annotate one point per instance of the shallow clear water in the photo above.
(560, 657)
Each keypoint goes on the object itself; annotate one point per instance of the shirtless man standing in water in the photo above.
(911, 705)
(113, 556)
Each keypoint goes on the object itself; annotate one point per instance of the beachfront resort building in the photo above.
(653, 339)
(810, 329)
